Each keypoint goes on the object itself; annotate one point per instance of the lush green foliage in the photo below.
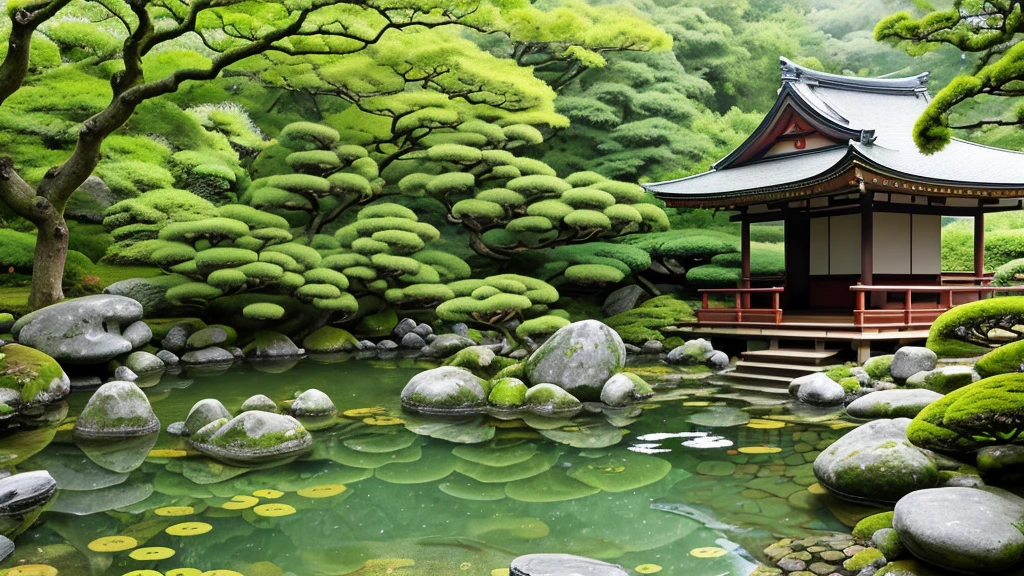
(649, 320)
(964, 330)
(988, 412)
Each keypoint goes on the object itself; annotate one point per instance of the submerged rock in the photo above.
(117, 409)
(312, 402)
(578, 358)
(447, 389)
(910, 360)
(80, 331)
(22, 493)
(962, 529)
(254, 437)
(891, 403)
(875, 463)
(29, 377)
(562, 565)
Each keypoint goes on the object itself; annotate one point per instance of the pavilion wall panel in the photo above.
(927, 244)
(892, 245)
(844, 244)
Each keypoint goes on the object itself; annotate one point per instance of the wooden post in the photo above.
(867, 237)
(979, 248)
(745, 261)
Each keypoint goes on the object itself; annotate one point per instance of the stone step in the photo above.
(793, 356)
(776, 369)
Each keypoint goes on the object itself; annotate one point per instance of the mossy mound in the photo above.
(117, 409)
(329, 339)
(36, 377)
(878, 367)
(1006, 359)
(868, 526)
(253, 437)
(986, 413)
(964, 331)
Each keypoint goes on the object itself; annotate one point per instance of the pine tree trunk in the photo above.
(48, 267)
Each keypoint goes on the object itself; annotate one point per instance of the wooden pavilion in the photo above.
(834, 160)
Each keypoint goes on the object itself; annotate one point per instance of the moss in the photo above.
(850, 385)
(1003, 360)
(27, 370)
(909, 568)
(878, 367)
(646, 322)
(975, 318)
(463, 397)
(863, 559)
(238, 439)
(507, 393)
(330, 339)
(838, 373)
(161, 326)
(988, 412)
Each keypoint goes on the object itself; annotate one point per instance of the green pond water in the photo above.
(697, 481)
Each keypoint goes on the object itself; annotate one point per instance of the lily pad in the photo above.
(349, 457)
(116, 454)
(537, 463)
(83, 503)
(620, 473)
(463, 432)
(600, 435)
(72, 470)
(381, 443)
(436, 464)
(467, 488)
(550, 486)
(204, 471)
(719, 417)
(496, 455)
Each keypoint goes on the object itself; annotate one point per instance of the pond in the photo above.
(696, 481)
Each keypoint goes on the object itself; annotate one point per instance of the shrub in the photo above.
(878, 367)
(963, 330)
(541, 326)
(988, 412)
(1003, 360)
(712, 276)
(646, 321)
(1009, 274)
(593, 274)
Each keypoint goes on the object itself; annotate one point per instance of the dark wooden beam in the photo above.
(867, 237)
(979, 244)
(932, 210)
(745, 261)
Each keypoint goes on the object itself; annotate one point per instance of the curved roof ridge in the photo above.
(980, 145)
(793, 72)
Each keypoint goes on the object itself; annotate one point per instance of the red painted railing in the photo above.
(907, 312)
(742, 311)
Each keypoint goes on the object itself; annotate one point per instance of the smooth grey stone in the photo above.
(412, 341)
(631, 349)
(962, 529)
(386, 345)
(692, 352)
(652, 347)
(82, 330)
(460, 328)
(562, 565)
(142, 362)
(259, 402)
(26, 491)
(203, 412)
(819, 390)
(153, 297)
(423, 330)
(367, 345)
(269, 344)
(623, 300)
(518, 354)
(445, 345)
(312, 402)
(117, 409)
(176, 339)
(910, 360)
(718, 360)
(404, 327)
(168, 358)
(892, 403)
(138, 333)
(209, 336)
(6, 548)
(446, 389)
(209, 355)
(125, 374)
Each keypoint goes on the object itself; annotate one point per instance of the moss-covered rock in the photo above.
(943, 379)
(579, 358)
(142, 362)
(875, 463)
(878, 367)
(117, 409)
(551, 400)
(313, 403)
(964, 330)
(1003, 360)
(892, 404)
(1001, 463)
(202, 413)
(863, 559)
(267, 344)
(36, 377)
(259, 402)
(80, 331)
(507, 393)
(868, 526)
(329, 339)
(887, 540)
(444, 390)
(986, 413)
(213, 335)
(254, 437)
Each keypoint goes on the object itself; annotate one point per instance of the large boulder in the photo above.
(446, 389)
(152, 295)
(579, 358)
(910, 360)
(253, 437)
(117, 409)
(89, 202)
(624, 388)
(30, 377)
(891, 404)
(967, 530)
(875, 463)
(268, 344)
(817, 389)
(80, 331)
(944, 379)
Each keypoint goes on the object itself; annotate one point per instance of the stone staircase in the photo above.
(772, 370)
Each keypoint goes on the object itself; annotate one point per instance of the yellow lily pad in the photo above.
(185, 572)
(465, 566)
(113, 544)
(500, 572)
(174, 511)
(760, 450)
(817, 489)
(167, 453)
(143, 573)
(648, 569)
(152, 553)
(274, 510)
(33, 570)
(269, 494)
(708, 552)
(365, 412)
(383, 421)
(322, 491)
(763, 424)
(222, 572)
(189, 529)
(240, 502)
